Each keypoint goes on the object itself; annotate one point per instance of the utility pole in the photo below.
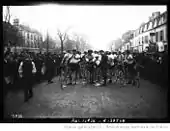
(8, 14)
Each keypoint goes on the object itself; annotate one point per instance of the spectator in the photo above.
(26, 68)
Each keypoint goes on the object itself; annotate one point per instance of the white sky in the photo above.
(101, 24)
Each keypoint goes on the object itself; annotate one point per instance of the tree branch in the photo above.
(64, 38)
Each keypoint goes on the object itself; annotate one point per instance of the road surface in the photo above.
(148, 101)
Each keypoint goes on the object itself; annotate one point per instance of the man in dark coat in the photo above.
(50, 68)
(57, 64)
(38, 64)
(104, 66)
(90, 65)
(26, 71)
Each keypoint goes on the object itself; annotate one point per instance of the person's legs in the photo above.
(25, 85)
(28, 88)
(69, 73)
(110, 74)
(97, 74)
(26, 94)
(104, 75)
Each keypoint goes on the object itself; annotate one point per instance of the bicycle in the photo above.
(63, 78)
(120, 74)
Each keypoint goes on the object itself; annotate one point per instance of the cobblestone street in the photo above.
(148, 101)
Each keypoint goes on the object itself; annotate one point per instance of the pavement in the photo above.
(50, 101)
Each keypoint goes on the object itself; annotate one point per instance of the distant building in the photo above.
(127, 41)
(32, 38)
(155, 30)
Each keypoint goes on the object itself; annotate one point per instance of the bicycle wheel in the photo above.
(61, 79)
(137, 83)
(64, 78)
(116, 76)
(122, 79)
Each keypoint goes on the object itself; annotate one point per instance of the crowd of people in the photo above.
(95, 65)
(155, 67)
(22, 70)
(152, 66)
(25, 69)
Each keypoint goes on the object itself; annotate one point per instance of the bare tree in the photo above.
(62, 37)
(7, 14)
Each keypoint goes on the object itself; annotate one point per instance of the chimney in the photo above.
(155, 14)
(150, 18)
(16, 22)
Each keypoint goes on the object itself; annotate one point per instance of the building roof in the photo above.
(27, 28)
(155, 22)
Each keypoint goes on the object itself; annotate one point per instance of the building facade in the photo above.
(155, 30)
(31, 38)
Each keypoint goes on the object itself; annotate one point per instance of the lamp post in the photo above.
(47, 42)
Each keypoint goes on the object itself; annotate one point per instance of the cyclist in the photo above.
(119, 67)
(130, 63)
(90, 64)
(120, 58)
(66, 58)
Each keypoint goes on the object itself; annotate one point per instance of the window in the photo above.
(146, 39)
(145, 27)
(25, 42)
(142, 39)
(159, 21)
(155, 23)
(157, 36)
(141, 29)
(36, 46)
(28, 35)
(161, 35)
(150, 25)
(25, 35)
(165, 17)
(31, 36)
(28, 44)
(32, 44)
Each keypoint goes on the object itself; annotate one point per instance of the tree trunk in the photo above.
(61, 46)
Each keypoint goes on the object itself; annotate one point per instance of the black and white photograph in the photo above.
(85, 61)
